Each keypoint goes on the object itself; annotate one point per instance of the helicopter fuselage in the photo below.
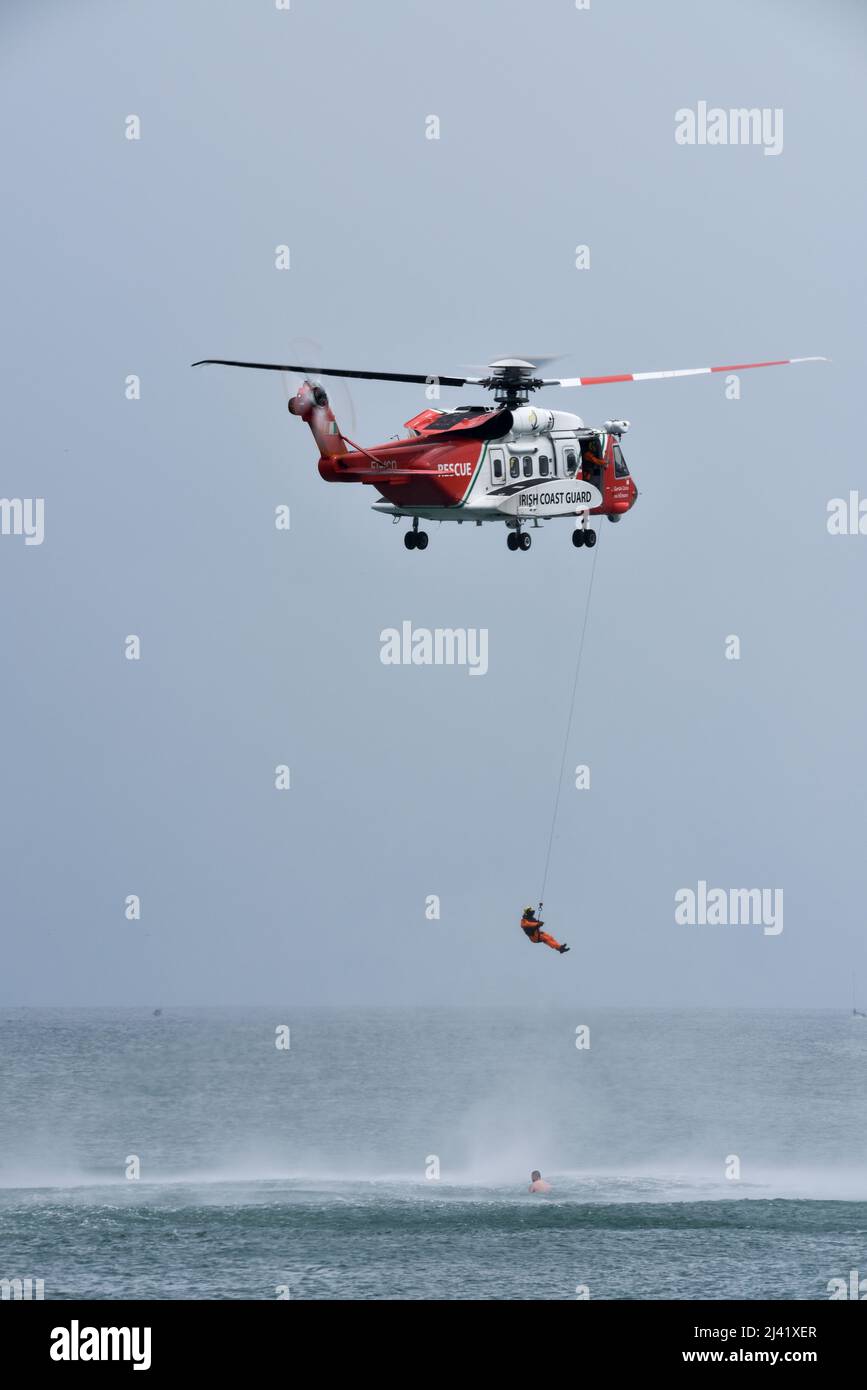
(479, 465)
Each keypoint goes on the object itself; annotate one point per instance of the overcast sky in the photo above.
(262, 127)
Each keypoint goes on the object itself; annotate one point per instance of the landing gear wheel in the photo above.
(590, 538)
(421, 540)
(410, 540)
(512, 540)
(526, 540)
(578, 537)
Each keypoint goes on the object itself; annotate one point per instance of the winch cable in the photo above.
(569, 724)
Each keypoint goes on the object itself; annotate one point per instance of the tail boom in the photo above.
(311, 405)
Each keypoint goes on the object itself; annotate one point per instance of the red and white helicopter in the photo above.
(513, 463)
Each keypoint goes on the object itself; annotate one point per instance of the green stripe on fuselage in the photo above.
(466, 497)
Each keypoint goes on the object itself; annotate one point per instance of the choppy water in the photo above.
(305, 1169)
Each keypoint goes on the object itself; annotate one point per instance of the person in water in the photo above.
(538, 1183)
(532, 929)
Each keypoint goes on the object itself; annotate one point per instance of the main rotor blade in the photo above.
(414, 377)
(683, 371)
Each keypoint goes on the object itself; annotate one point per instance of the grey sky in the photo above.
(306, 127)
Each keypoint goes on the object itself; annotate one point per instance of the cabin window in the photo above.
(571, 461)
(620, 469)
(543, 467)
(514, 468)
(498, 466)
(528, 466)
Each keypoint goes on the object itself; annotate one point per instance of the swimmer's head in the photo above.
(535, 1175)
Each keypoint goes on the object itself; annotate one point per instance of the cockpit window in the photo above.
(446, 420)
(620, 469)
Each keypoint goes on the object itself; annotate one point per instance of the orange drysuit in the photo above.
(590, 463)
(532, 929)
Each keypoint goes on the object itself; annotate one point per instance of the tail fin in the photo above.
(311, 405)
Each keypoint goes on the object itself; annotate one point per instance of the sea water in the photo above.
(385, 1154)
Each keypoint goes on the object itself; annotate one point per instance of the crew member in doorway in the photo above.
(591, 461)
(532, 929)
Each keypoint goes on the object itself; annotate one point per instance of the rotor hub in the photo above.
(512, 380)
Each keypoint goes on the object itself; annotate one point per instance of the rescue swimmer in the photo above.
(532, 929)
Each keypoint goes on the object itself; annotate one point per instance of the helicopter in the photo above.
(511, 463)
